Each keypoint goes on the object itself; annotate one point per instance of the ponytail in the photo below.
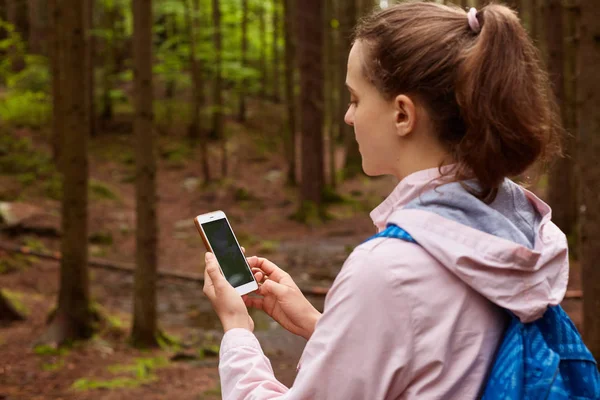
(481, 79)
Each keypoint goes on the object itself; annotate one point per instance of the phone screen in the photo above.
(230, 257)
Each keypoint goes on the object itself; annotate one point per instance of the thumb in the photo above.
(213, 270)
(273, 288)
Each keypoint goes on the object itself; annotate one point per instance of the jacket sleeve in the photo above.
(361, 348)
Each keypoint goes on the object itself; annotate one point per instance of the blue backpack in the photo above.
(544, 359)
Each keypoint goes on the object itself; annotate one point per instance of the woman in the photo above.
(452, 104)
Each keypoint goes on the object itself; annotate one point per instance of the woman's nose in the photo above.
(349, 117)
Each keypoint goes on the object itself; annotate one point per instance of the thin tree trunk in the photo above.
(276, 62)
(110, 65)
(73, 318)
(290, 98)
(310, 35)
(16, 14)
(353, 163)
(589, 149)
(330, 84)
(263, 49)
(562, 191)
(90, 64)
(35, 38)
(242, 110)
(55, 11)
(144, 330)
(218, 123)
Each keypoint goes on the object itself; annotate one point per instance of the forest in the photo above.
(121, 120)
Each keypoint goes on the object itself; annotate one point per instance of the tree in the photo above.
(242, 109)
(353, 163)
(90, 64)
(276, 88)
(195, 130)
(310, 40)
(218, 123)
(589, 149)
(73, 317)
(36, 26)
(561, 184)
(290, 98)
(144, 330)
(16, 14)
(263, 48)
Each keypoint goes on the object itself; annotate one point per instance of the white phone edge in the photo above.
(217, 215)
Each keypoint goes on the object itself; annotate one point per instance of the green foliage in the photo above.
(47, 350)
(54, 366)
(35, 77)
(32, 109)
(101, 191)
(102, 238)
(34, 244)
(268, 246)
(16, 263)
(15, 298)
(84, 384)
(142, 371)
(12, 45)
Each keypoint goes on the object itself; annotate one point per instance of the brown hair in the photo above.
(486, 92)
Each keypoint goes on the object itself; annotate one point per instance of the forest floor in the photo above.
(260, 207)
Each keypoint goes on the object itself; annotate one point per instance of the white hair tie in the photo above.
(473, 22)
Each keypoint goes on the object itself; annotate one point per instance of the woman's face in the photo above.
(373, 118)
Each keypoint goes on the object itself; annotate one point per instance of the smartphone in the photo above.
(218, 237)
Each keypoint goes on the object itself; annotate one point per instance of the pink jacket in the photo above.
(407, 321)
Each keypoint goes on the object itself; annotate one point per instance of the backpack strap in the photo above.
(394, 232)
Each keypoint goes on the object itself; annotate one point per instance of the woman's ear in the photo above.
(405, 115)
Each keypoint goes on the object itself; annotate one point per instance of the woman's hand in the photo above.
(227, 303)
(282, 299)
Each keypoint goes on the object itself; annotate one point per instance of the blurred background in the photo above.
(121, 120)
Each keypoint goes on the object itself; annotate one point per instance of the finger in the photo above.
(270, 269)
(259, 276)
(213, 272)
(254, 302)
(273, 288)
(243, 249)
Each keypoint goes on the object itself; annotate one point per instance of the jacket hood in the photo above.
(509, 251)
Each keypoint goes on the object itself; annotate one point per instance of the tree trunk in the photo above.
(109, 67)
(55, 11)
(263, 49)
(366, 7)
(8, 312)
(90, 64)
(36, 34)
(290, 98)
(218, 123)
(144, 330)
(562, 190)
(589, 149)
(73, 318)
(353, 163)
(330, 62)
(16, 14)
(242, 110)
(310, 35)
(276, 62)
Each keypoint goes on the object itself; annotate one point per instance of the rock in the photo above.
(30, 218)
(184, 224)
(273, 175)
(191, 184)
